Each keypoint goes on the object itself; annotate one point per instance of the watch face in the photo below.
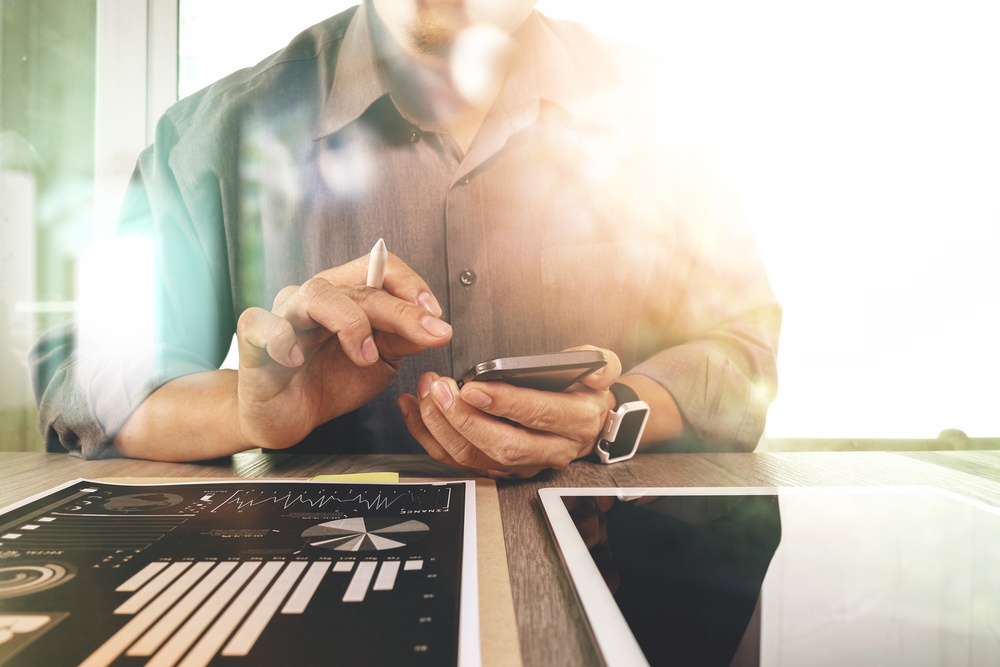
(628, 434)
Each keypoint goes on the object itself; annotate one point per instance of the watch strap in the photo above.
(623, 394)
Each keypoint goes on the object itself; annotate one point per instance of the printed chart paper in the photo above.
(244, 572)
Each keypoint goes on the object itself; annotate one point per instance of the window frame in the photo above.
(136, 71)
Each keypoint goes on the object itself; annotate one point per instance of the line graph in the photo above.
(423, 499)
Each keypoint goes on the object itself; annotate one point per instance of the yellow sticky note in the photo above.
(370, 477)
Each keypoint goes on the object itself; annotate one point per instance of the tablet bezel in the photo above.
(613, 638)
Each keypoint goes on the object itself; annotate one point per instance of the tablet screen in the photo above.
(756, 576)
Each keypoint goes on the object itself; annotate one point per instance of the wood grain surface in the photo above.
(550, 625)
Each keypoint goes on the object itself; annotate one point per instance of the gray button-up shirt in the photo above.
(577, 216)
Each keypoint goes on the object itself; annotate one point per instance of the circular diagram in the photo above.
(25, 579)
(361, 534)
(142, 501)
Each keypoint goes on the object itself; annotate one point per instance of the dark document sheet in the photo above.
(246, 572)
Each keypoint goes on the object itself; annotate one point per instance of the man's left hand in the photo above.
(495, 429)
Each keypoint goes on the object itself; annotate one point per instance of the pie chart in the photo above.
(365, 534)
(138, 502)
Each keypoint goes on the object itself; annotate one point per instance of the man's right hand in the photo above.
(329, 346)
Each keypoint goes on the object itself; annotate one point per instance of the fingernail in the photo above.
(403, 407)
(430, 304)
(368, 350)
(477, 398)
(424, 386)
(442, 394)
(435, 327)
(296, 355)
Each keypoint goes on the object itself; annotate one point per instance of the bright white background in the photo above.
(864, 139)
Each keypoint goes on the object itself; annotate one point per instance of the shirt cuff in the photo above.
(722, 405)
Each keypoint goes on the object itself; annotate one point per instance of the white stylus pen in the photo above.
(376, 265)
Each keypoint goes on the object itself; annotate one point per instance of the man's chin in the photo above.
(431, 43)
(436, 28)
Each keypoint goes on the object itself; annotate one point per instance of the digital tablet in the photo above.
(782, 576)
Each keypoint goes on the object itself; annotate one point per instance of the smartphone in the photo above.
(549, 372)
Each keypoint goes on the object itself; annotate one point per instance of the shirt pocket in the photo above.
(617, 268)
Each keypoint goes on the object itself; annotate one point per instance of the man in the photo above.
(531, 207)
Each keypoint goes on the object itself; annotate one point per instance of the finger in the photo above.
(262, 336)
(444, 438)
(577, 415)
(400, 280)
(444, 435)
(352, 313)
(393, 315)
(473, 433)
(394, 349)
(410, 409)
(606, 375)
(282, 296)
(318, 304)
(426, 407)
(405, 283)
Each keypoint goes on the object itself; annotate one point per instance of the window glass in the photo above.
(47, 55)
(863, 138)
(218, 37)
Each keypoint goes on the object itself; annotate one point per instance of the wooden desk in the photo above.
(550, 625)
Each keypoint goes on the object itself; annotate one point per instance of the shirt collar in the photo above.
(358, 80)
(564, 69)
(547, 68)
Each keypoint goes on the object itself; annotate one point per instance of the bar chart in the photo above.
(197, 576)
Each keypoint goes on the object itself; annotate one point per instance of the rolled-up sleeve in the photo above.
(154, 305)
(714, 317)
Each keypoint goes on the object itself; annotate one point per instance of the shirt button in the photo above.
(467, 278)
(414, 137)
(465, 181)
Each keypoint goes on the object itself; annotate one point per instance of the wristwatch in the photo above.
(620, 437)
